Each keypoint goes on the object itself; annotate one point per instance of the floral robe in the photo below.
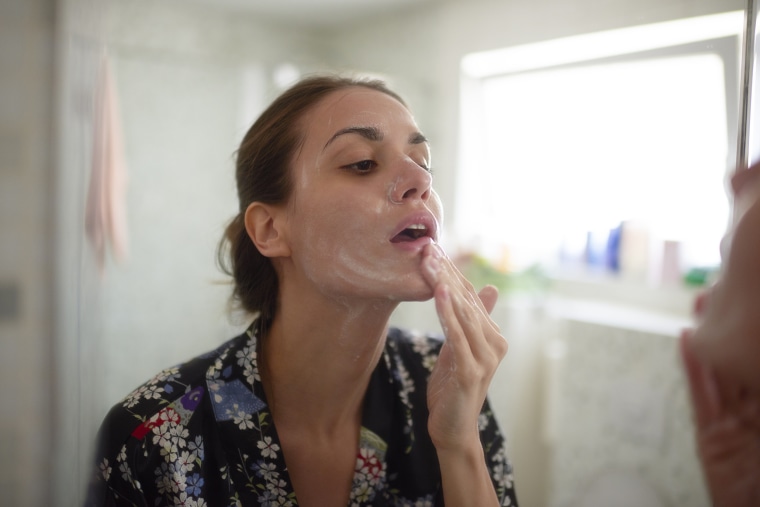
(200, 434)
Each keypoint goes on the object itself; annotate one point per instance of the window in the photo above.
(570, 144)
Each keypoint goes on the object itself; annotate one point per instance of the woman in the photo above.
(338, 223)
(722, 359)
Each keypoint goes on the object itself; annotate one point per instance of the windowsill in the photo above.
(618, 302)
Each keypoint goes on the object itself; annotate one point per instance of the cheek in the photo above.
(344, 249)
(436, 207)
(334, 219)
(341, 240)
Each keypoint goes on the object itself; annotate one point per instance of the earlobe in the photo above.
(264, 229)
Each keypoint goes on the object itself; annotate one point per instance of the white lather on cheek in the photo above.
(359, 264)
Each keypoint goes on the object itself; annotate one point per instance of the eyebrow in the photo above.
(417, 138)
(373, 134)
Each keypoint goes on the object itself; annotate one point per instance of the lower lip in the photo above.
(414, 246)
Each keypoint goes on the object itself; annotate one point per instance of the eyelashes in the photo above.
(367, 166)
(362, 167)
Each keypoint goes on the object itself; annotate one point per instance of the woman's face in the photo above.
(362, 206)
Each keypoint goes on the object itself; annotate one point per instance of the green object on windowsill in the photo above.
(481, 272)
(700, 276)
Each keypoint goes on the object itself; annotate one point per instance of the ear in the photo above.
(265, 227)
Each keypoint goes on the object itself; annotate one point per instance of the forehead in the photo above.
(357, 106)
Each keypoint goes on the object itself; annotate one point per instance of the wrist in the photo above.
(455, 441)
(465, 477)
(468, 452)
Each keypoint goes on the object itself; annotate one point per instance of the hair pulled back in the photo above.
(262, 173)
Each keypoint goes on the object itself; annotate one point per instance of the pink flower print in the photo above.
(371, 467)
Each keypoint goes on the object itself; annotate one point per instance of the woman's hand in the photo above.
(473, 349)
(727, 421)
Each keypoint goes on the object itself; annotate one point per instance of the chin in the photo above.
(421, 293)
(420, 298)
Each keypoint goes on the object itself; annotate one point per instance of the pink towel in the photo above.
(106, 210)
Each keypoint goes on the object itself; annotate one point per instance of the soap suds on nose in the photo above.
(392, 190)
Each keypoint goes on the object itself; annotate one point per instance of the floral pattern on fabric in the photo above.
(200, 434)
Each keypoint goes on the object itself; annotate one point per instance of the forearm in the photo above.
(465, 478)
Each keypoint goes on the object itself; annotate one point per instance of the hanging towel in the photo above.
(106, 207)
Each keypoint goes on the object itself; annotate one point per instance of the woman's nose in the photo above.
(412, 182)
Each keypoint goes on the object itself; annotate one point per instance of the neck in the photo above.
(317, 360)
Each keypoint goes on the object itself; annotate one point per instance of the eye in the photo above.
(422, 159)
(362, 167)
(426, 167)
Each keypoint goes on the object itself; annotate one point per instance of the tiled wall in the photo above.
(26, 151)
(621, 407)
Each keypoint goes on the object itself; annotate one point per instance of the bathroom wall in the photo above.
(76, 339)
(190, 79)
(26, 238)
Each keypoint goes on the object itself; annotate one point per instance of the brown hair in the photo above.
(263, 174)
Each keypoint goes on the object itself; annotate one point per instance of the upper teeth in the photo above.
(417, 226)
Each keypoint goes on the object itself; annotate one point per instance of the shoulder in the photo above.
(179, 389)
(161, 428)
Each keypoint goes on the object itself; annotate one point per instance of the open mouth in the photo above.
(411, 233)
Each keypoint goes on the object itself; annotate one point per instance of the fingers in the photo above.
(702, 387)
(488, 296)
(438, 269)
(750, 412)
(700, 304)
(450, 322)
(726, 414)
(464, 314)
